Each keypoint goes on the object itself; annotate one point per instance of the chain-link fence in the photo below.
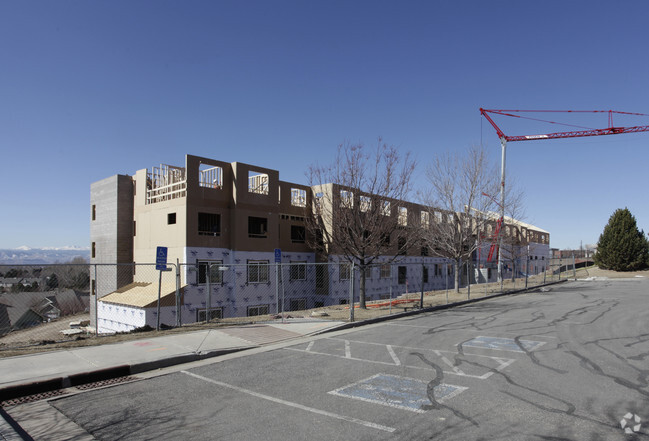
(61, 302)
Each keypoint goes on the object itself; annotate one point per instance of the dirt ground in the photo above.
(48, 336)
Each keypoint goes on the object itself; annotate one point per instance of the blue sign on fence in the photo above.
(278, 255)
(161, 258)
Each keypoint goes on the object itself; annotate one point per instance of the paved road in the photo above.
(568, 364)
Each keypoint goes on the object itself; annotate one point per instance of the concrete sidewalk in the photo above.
(47, 371)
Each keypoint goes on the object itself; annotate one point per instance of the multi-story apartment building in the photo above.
(225, 225)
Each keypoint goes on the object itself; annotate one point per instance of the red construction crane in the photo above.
(610, 130)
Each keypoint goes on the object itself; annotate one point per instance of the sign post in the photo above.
(160, 265)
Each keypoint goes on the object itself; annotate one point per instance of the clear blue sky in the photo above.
(94, 88)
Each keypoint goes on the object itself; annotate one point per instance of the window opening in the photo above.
(297, 271)
(298, 233)
(402, 273)
(257, 226)
(257, 310)
(321, 276)
(212, 269)
(298, 305)
(402, 246)
(214, 314)
(209, 224)
(344, 269)
(257, 271)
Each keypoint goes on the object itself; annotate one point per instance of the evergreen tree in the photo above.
(621, 246)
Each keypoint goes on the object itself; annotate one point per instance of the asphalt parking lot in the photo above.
(567, 364)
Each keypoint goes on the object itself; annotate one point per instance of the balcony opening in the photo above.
(403, 216)
(346, 199)
(257, 182)
(210, 176)
(298, 197)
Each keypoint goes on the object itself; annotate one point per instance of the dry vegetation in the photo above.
(48, 337)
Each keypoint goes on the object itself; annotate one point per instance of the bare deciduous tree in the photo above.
(458, 208)
(358, 208)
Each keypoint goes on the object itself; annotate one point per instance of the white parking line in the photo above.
(291, 404)
(449, 363)
(502, 362)
(393, 355)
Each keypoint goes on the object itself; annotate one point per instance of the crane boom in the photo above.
(571, 134)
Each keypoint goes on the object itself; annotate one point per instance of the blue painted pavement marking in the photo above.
(394, 391)
(503, 344)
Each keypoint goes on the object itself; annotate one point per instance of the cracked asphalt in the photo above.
(568, 364)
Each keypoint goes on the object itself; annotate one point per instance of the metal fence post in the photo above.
(208, 294)
(502, 276)
(421, 301)
(96, 293)
(468, 279)
(157, 327)
(179, 320)
(574, 268)
(351, 292)
(277, 286)
(527, 265)
(281, 280)
(487, 277)
(446, 271)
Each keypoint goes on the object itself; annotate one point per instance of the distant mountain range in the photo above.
(39, 256)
